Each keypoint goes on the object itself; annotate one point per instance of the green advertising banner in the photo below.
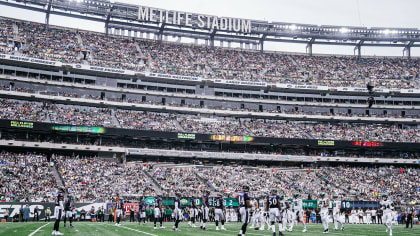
(307, 203)
(310, 203)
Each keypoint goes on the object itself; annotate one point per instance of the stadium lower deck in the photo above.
(108, 229)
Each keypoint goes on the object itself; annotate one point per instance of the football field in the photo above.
(104, 229)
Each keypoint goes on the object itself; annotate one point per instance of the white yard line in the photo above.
(137, 230)
(38, 229)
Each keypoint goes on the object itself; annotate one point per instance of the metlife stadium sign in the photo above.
(149, 14)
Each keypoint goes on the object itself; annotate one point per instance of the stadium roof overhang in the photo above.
(124, 16)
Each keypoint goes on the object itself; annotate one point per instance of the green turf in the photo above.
(105, 229)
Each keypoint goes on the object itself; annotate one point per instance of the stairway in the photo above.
(159, 190)
(58, 178)
(191, 52)
(203, 180)
(115, 121)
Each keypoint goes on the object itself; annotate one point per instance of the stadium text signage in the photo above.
(244, 83)
(22, 124)
(30, 60)
(81, 129)
(326, 143)
(177, 77)
(231, 138)
(367, 144)
(104, 69)
(149, 14)
(186, 136)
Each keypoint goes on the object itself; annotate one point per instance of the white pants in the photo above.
(273, 214)
(58, 212)
(119, 212)
(244, 215)
(158, 214)
(205, 212)
(178, 214)
(337, 220)
(256, 217)
(219, 215)
(324, 219)
(69, 214)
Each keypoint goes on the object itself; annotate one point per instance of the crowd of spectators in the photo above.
(20, 110)
(26, 177)
(169, 122)
(147, 120)
(29, 177)
(178, 179)
(92, 179)
(74, 46)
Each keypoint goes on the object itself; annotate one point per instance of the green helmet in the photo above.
(281, 197)
(296, 195)
(322, 194)
(335, 196)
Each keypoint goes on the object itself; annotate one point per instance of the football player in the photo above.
(324, 204)
(297, 213)
(336, 213)
(284, 206)
(205, 210)
(142, 209)
(193, 212)
(58, 210)
(244, 205)
(272, 207)
(219, 212)
(68, 207)
(177, 211)
(387, 207)
(119, 206)
(158, 213)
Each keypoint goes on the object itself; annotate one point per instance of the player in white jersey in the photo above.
(387, 207)
(284, 206)
(254, 206)
(297, 213)
(337, 214)
(324, 204)
(263, 214)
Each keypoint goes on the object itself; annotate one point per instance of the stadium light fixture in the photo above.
(344, 30)
(387, 31)
(293, 27)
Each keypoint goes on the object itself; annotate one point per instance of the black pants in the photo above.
(380, 219)
(36, 215)
(83, 216)
(347, 220)
(409, 221)
(111, 218)
(373, 219)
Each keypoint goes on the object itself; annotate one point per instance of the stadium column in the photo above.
(358, 47)
(407, 49)
(309, 46)
(262, 43)
(47, 14)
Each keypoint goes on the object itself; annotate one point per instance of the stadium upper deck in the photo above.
(132, 55)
